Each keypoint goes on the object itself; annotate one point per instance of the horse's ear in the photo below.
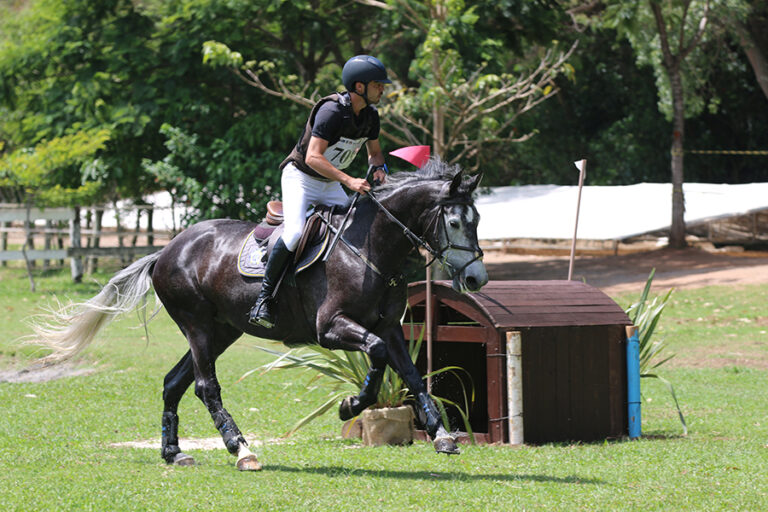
(472, 182)
(456, 183)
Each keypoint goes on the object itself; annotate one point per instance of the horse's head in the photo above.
(452, 232)
(436, 201)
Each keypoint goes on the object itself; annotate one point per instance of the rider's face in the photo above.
(375, 91)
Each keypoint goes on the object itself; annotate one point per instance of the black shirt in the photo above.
(332, 119)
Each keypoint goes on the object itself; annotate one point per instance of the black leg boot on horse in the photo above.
(263, 312)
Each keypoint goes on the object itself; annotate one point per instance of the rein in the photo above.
(393, 280)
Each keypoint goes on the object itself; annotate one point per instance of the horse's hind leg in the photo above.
(207, 341)
(175, 385)
(205, 350)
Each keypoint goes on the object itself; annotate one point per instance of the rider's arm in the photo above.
(376, 158)
(322, 166)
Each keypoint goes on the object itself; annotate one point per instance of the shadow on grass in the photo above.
(341, 471)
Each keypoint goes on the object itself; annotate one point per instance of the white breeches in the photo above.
(301, 191)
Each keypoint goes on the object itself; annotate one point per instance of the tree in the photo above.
(462, 105)
(720, 97)
(678, 28)
(69, 68)
(461, 100)
(673, 59)
(607, 112)
(30, 176)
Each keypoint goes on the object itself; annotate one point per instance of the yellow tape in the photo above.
(725, 152)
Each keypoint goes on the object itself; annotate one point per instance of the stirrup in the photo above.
(260, 315)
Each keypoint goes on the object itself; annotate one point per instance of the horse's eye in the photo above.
(454, 223)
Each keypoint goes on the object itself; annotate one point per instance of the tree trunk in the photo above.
(437, 136)
(677, 230)
(672, 65)
(756, 57)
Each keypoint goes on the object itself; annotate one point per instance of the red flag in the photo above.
(416, 155)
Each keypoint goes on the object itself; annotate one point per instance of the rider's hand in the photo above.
(358, 185)
(379, 176)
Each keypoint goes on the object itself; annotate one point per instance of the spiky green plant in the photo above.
(343, 374)
(645, 315)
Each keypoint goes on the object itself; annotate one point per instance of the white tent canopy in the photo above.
(607, 213)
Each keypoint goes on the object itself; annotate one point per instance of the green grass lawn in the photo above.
(56, 437)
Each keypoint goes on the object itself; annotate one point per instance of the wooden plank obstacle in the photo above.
(572, 357)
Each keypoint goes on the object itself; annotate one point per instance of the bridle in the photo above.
(437, 220)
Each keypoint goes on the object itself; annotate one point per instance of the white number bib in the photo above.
(344, 151)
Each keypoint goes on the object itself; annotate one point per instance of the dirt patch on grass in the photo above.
(720, 357)
(43, 374)
(624, 273)
(191, 443)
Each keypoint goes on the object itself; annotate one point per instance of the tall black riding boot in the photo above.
(263, 312)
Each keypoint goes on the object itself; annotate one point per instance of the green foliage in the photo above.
(469, 89)
(219, 55)
(55, 172)
(114, 65)
(128, 68)
(70, 67)
(215, 181)
(606, 114)
(609, 113)
(645, 316)
(635, 21)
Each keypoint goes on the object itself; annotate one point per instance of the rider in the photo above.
(313, 172)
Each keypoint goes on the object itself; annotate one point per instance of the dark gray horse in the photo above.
(353, 301)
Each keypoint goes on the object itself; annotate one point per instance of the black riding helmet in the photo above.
(363, 68)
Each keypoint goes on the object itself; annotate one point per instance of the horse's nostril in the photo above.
(471, 283)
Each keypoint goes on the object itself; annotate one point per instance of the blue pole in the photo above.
(633, 383)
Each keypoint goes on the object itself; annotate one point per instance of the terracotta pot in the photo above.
(388, 426)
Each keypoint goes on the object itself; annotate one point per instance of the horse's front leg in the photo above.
(345, 334)
(351, 406)
(400, 361)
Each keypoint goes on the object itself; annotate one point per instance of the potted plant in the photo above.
(390, 420)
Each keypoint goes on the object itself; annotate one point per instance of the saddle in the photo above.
(258, 244)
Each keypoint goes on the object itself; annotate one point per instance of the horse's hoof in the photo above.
(345, 409)
(249, 463)
(182, 459)
(446, 445)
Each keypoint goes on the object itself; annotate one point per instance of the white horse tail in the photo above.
(68, 330)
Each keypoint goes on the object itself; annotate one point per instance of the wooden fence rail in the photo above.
(22, 223)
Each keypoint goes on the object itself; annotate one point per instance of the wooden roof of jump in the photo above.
(518, 304)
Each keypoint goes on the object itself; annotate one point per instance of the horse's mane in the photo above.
(434, 170)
